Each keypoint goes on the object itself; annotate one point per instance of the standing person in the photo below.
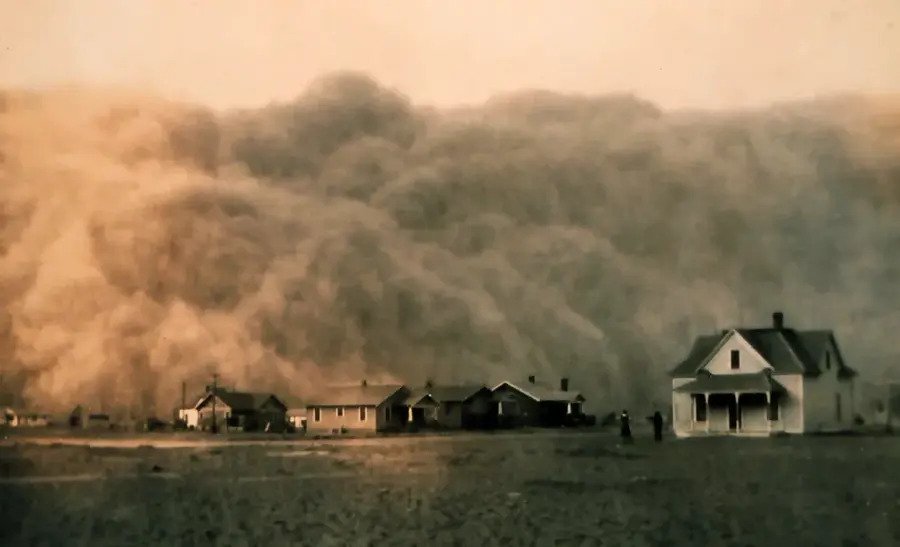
(625, 426)
(657, 426)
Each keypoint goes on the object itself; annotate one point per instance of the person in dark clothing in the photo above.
(657, 426)
(625, 426)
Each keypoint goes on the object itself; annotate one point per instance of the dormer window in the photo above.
(735, 359)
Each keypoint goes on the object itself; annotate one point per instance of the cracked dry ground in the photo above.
(537, 489)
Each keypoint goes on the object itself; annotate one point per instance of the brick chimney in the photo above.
(564, 384)
(531, 379)
(778, 320)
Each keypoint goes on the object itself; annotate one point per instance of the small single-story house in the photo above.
(82, 417)
(13, 417)
(451, 407)
(78, 417)
(242, 411)
(188, 413)
(99, 421)
(535, 404)
(9, 417)
(421, 409)
(190, 417)
(763, 380)
(360, 408)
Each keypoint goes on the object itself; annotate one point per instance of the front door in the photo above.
(732, 415)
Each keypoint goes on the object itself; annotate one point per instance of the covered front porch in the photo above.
(421, 411)
(734, 404)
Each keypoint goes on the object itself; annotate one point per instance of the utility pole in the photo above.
(215, 427)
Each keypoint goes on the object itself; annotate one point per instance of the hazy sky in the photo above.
(679, 54)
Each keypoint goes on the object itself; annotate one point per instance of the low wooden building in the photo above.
(357, 409)
(241, 411)
(421, 409)
(13, 417)
(451, 407)
(537, 405)
(190, 417)
(9, 416)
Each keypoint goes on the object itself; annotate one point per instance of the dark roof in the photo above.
(420, 396)
(788, 351)
(368, 395)
(446, 394)
(455, 394)
(540, 392)
(703, 347)
(759, 382)
(781, 349)
(242, 400)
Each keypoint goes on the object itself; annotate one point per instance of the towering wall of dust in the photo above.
(351, 234)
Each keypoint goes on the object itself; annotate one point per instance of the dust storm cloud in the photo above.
(350, 233)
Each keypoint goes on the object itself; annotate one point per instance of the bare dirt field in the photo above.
(490, 489)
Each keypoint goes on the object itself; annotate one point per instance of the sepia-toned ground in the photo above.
(542, 488)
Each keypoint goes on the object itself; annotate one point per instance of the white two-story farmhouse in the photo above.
(762, 381)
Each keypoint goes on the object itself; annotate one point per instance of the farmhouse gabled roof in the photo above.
(361, 395)
(446, 394)
(542, 393)
(420, 397)
(788, 351)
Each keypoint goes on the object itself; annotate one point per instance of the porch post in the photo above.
(706, 408)
(695, 405)
(768, 412)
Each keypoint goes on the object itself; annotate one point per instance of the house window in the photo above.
(387, 413)
(773, 410)
(735, 359)
(362, 413)
(317, 414)
(339, 411)
(699, 408)
(446, 410)
(500, 408)
(827, 360)
(837, 407)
